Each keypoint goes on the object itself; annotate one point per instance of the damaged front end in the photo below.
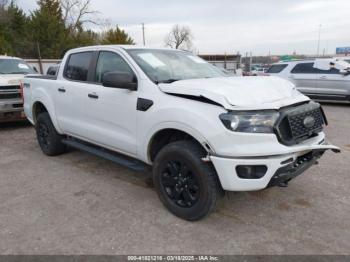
(296, 167)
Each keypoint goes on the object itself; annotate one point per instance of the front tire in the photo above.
(49, 140)
(187, 186)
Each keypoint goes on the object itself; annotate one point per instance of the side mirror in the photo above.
(119, 79)
(36, 70)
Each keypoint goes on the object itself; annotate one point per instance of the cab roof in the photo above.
(119, 47)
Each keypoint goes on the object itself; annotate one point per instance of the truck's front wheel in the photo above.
(186, 185)
(49, 140)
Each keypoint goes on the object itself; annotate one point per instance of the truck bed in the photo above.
(46, 77)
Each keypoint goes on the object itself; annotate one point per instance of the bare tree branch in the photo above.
(77, 13)
(180, 37)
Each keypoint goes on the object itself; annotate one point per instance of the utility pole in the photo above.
(250, 61)
(143, 34)
(319, 40)
(246, 63)
(39, 58)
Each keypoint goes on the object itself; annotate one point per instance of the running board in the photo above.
(126, 161)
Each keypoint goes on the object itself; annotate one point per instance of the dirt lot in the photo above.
(80, 204)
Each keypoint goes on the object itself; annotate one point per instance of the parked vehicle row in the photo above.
(201, 131)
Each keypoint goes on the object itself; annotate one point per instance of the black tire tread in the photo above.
(192, 148)
(56, 146)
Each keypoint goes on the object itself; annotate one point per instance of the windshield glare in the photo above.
(15, 66)
(172, 65)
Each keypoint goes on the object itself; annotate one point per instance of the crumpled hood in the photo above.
(13, 79)
(266, 92)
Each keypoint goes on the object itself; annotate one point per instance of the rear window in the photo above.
(304, 68)
(78, 66)
(53, 70)
(276, 68)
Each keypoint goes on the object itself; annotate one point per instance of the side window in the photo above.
(331, 71)
(110, 62)
(78, 66)
(304, 68)
(274, 69)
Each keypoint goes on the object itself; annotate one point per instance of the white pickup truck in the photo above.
(202, 131)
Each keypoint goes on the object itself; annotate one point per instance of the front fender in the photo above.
(144, 150)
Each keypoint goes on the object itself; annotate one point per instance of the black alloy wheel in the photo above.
(187, 186)
(43, 135)
(180, 184)
(49, 140)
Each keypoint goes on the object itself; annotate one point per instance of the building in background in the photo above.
(42, 65)
(227, 62)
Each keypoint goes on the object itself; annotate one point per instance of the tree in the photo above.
(48, 29)
(3, 4)
(77, 13)
(18, 31)
(4, 44)
(116, 36)
(13, 30)
(82, 38)
(180, 37)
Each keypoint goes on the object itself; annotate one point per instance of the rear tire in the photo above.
(49, 140)
(187, 186)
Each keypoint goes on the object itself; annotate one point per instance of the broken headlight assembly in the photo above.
(250, 122)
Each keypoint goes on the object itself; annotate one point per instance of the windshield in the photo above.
(15, 66)
(167, 66)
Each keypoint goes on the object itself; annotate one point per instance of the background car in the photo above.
(332, 84)
(12, 70)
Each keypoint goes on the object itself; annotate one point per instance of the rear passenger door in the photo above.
(332, 85)
(304, 76)
(69, 98)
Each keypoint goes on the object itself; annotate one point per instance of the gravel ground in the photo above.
(79, 204)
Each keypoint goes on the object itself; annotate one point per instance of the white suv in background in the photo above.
(329, 82)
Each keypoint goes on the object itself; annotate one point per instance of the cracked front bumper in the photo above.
(280, 168)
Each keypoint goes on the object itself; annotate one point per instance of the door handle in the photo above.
(62, 90)
(323, 77)
(93, 95)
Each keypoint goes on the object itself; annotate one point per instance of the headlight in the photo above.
(250, 122)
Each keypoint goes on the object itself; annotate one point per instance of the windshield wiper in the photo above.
(167, 81)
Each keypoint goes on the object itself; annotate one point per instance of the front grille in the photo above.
(10, 92)
(9, 88)
(10, 95)
(300, 123)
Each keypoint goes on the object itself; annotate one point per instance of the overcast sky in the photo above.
(219, 26)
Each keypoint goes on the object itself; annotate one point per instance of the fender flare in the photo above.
(43, 98)
(145, 148)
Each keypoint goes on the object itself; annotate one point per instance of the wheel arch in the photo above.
(39, 107)
(165, 135)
